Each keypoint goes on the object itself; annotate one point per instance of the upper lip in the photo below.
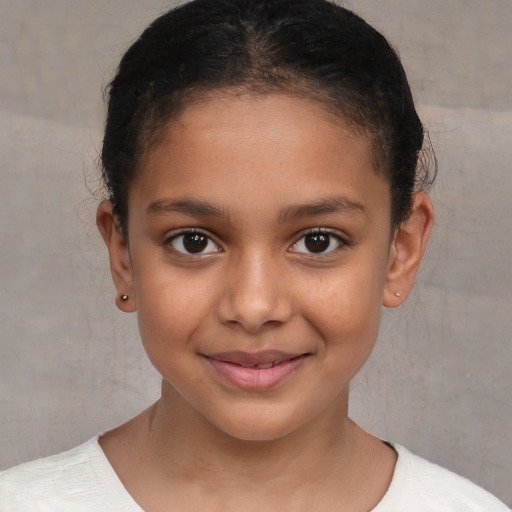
(252, 359)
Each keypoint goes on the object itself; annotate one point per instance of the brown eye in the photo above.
(318, 242)
(194, 242)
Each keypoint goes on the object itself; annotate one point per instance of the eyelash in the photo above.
(327, 233)
(191, 231)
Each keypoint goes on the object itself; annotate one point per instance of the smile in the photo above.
(256, 372)
(262, 366)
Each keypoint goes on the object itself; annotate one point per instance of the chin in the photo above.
(264, 427)
(257, 434)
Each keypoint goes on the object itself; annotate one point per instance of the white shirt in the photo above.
(82, 480)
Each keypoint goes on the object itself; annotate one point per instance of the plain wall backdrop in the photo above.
(439, 381)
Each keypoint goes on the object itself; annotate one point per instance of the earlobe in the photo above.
(119, 254)
(407, 249)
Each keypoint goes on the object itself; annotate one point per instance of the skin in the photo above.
(254, 174)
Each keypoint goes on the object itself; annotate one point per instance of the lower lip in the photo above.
(254, 378)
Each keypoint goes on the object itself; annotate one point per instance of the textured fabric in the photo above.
(420, 486)
(79, 480)
(82, 480)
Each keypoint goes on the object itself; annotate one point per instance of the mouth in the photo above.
(258, 371)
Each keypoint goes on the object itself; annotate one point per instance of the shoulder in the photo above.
(419, 485)
(80, 479)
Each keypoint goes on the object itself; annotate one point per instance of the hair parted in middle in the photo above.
(308, 48)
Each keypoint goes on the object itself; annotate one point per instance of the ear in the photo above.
(407, 249)
(120, 264)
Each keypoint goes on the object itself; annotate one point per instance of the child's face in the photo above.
(284, 260)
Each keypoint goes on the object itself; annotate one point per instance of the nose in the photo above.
(255, 294)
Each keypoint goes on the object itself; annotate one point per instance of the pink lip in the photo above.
(239, 368)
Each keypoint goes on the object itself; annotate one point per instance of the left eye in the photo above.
(193, 242)
(318, 243)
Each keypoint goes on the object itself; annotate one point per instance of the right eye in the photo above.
(318, 242)
(193, 242)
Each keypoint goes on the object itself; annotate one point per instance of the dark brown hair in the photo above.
(311, 48)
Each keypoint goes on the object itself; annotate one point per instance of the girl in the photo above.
(264, 201)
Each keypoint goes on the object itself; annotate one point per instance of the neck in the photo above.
(179, 450)
(178, 434)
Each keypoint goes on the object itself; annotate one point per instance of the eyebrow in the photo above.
(192, 207)
(201, 208)
(334, 204)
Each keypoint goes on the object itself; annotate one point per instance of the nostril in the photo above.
(253, 303)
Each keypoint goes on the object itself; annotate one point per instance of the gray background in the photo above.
(71, 365)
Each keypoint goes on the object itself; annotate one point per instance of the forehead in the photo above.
(227, 144)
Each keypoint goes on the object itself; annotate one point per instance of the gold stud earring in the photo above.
(397, 294)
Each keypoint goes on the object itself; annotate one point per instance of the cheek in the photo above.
(166, 330)
(169, 294)
(350, 329)
(345, 309)
(170, 310)
(347, 298)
